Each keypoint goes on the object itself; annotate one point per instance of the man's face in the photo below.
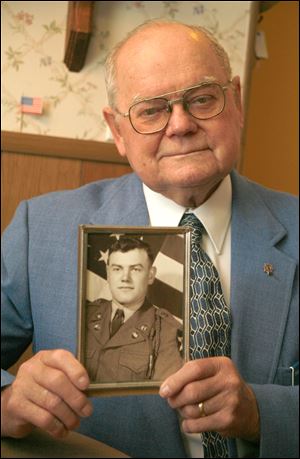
(129, 275)
(189, 154)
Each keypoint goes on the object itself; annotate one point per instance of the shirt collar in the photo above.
(127, 312)
(214, 214)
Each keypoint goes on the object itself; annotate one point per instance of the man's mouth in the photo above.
(174, 154)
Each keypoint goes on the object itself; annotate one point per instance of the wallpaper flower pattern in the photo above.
(33, 40)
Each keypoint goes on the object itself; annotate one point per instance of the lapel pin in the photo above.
(268, 269)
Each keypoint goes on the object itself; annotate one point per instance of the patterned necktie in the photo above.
(117, 321)
(210, 321)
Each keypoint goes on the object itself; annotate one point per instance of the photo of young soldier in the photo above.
(133, 306)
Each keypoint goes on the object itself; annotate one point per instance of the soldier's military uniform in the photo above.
(146, 347)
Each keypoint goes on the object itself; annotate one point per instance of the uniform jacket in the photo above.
(146, 347)
(39, 270)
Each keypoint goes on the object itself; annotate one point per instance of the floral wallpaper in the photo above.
(33, 41)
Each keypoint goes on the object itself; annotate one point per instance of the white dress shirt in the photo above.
(215, 215)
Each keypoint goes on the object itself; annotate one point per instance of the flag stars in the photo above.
(103, 256)
(116, 235)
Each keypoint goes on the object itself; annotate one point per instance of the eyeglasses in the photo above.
(202, 101)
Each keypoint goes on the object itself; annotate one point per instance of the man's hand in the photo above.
(47, 393)
(230, 405)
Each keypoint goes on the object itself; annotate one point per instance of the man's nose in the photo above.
(180, 122)
(125, 275)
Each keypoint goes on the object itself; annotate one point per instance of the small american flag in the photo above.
(32, 105)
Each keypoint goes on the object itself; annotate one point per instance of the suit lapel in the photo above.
(123, 205)
(259, 302)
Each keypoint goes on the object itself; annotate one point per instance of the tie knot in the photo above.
(119, 313)
(117, 321)
(190, 219)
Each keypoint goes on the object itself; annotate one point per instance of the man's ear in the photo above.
(238, 98)
(152, 274)
(110, 118)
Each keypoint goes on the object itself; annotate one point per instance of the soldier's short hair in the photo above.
(125, 244)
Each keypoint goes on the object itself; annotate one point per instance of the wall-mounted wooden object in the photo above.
(79, 29)
(44, 145)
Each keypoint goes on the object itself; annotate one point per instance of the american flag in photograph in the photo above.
(33, 105)
(168, 287)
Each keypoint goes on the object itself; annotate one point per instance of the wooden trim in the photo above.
(250, 63)
(15, 142)
(78, 34)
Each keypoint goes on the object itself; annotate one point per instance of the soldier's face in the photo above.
(129, 275)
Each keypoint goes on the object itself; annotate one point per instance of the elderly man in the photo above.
(175, 113)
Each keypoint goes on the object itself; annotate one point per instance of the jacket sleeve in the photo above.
(16, 320)
(279, 420)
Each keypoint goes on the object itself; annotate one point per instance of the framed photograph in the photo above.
(133, 306)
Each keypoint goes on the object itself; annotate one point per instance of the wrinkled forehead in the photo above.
(163, 34)
(160, 42)
(165, 59)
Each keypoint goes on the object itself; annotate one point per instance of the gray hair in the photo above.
(110, 63)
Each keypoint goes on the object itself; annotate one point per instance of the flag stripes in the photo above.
(33, 105)
(164, 296)
(96, 285)
(169, 271)
(173, 247)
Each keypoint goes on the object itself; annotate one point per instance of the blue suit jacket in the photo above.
(40, 303)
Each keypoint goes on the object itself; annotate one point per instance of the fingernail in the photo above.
(185, 427)
(87, 410)
(58, 429)
(83, 382)
(165, 391)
